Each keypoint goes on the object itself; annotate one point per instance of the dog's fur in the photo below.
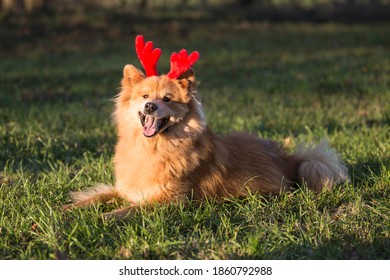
(169, 154)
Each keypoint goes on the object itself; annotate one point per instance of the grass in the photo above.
(288, 82)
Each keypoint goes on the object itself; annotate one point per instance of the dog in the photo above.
(166, 152)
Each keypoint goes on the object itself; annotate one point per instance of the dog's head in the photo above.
(157, 102)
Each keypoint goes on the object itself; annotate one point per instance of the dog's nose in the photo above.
(150, 107)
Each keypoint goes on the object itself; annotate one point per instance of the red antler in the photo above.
(147, 55)
(181, 62)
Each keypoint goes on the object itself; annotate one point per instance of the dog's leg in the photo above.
(98, 194)
(122, 213)
(118, 214)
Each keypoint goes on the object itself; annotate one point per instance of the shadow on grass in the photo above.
(345, 247)
(43, 157)
(366, 172)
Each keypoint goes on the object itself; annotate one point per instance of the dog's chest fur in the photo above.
(156, 169)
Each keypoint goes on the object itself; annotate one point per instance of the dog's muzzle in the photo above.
(151, 123)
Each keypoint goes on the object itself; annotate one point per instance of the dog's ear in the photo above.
(131, 76)
(187, 81)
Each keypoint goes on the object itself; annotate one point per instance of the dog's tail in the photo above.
(320, 167)
(99, 194)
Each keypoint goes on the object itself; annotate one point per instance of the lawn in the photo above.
(291, 83)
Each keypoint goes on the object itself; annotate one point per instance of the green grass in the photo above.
(297, 81)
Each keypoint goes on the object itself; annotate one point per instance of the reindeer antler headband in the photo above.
(148, 56)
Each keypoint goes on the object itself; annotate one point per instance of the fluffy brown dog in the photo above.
(166, 152)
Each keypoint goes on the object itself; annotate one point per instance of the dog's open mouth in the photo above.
(152, 125)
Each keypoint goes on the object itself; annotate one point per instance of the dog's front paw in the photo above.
(69, 206)
(118, 214)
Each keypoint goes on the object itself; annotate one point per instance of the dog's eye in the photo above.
(145, 96)
(166, 99)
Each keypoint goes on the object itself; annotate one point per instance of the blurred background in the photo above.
(30, 20)
(318, 10)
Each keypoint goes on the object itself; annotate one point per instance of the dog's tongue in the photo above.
(150, 126)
